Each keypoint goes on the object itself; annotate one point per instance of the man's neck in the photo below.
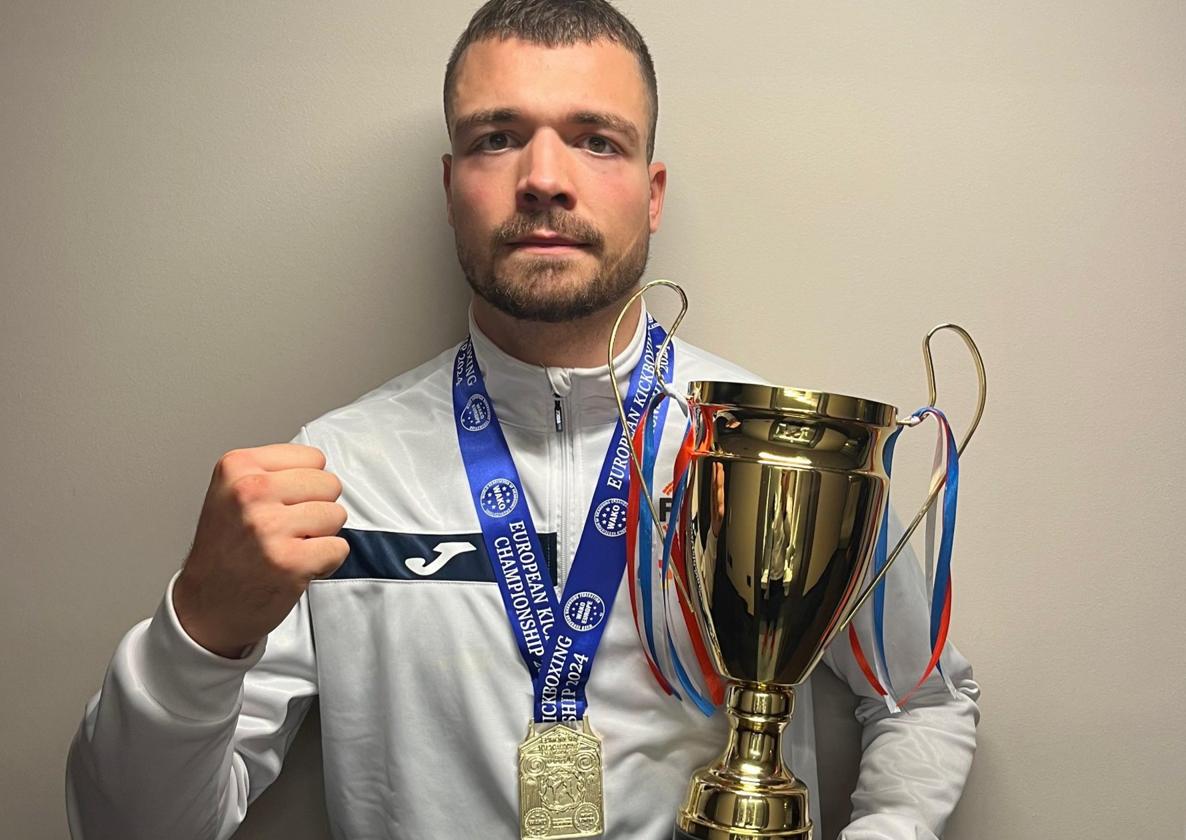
(580, 343)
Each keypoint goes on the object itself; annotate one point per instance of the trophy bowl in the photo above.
(786, 491)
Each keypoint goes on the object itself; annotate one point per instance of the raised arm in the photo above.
(200, 702)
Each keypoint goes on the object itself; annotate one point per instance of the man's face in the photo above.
(549, 192)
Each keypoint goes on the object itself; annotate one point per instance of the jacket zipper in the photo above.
(563, 558)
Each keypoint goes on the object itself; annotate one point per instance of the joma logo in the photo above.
(445, 552)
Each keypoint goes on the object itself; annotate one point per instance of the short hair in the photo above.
(555, 23)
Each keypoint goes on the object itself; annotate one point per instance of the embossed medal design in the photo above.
(560, 792)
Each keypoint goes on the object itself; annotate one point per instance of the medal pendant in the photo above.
(560, 793)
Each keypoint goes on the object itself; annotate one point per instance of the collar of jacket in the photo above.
(525, 395)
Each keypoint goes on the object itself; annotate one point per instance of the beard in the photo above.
(548, 289)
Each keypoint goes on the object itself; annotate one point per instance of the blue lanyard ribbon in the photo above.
(557, 638)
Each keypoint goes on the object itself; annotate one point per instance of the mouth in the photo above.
(544, 242)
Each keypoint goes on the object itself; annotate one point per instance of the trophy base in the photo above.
(748, 793)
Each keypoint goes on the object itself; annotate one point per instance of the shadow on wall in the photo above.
(293, 808)
(838, 747)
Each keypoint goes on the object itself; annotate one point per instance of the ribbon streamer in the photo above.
(940, 595)
(640, 529)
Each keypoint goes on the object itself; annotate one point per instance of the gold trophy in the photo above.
(786, 493)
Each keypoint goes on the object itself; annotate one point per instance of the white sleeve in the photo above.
(914, 763)
(180, 740)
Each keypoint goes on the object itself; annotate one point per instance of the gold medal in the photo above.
(560, 792)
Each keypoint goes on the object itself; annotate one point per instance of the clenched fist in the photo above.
(267, 528)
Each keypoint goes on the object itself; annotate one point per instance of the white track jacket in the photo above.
(424, 699)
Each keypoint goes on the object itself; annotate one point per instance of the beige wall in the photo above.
(218, 221)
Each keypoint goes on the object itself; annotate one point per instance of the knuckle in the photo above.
(260, 524)
(234, 459)
(285, 562)
(250, 488)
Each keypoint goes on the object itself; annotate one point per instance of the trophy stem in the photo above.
(748, 792)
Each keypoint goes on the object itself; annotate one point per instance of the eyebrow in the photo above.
(491, 116)
(603, 119)
(503, 116)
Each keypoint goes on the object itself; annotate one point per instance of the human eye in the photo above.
(599, 145)
(495, 141)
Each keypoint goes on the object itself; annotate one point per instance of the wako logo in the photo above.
(476, 414)
(499, 497)
(610, 517)
(584, 611)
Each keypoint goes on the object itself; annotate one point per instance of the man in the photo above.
(356, 563)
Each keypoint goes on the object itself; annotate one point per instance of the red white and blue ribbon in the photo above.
(938, 572)
(642, 568)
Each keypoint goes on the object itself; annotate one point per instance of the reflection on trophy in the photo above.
(785, 497)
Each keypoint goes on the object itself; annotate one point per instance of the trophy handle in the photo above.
(934, 494)
(613, 378)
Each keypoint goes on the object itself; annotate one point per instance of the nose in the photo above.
(544, 180)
